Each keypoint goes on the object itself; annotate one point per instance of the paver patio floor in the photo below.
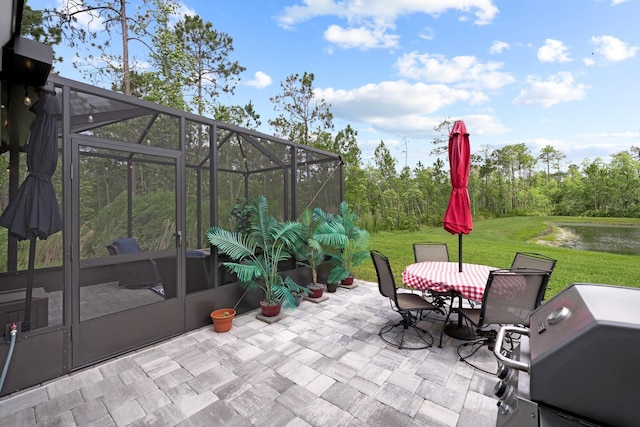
(321, 365)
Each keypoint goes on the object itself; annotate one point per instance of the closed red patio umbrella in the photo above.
(457, 218)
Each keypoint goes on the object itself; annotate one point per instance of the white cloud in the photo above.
(260, 80)
(396, 107)
(579, 147)
(427, 34)
(558, 88)
(183, 10)
(610, 49)
(617, 2)
(553, 51)
(383, 11)
(465, 71)
(90, 20)
(362, 37)
(498, 47)
(484, 124)
(394, 98)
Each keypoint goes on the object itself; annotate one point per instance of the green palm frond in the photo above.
(259, 253)
(321, 216)
(331, 234)
(288, 234)
(236, 245)
(245, 272)
(261, 222)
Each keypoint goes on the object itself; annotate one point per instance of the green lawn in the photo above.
(495, 241)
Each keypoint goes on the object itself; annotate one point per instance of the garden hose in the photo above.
(14, 332)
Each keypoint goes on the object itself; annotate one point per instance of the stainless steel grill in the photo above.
(578, 363)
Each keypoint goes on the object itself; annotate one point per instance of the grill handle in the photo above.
(497, 350)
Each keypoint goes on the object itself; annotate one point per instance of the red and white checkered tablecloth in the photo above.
(445, 277)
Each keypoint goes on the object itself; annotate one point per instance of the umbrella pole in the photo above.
(460, 252)
(26, 325)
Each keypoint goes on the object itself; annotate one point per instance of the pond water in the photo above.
(618, 239)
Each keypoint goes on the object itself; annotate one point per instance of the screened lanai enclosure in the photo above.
(138, 185)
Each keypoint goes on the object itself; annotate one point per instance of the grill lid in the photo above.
(585, 351)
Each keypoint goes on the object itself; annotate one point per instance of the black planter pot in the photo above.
(332, 287)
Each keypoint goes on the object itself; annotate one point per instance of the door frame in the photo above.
(101, 338)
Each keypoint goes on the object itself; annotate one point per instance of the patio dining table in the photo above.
(445, 277)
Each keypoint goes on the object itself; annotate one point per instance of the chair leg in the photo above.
(406, 323)
(446, 320)
(486, 338)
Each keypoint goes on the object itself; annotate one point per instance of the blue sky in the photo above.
(539, 72)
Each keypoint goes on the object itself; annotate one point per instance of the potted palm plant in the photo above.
(256, 254)
(355, 248)
(321, 232)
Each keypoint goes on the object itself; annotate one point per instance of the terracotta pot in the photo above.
(270, 310)
(316, 292)
(222, 319)
(332, 287)
(348, 281)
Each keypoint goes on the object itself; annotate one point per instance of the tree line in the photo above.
(190, 64)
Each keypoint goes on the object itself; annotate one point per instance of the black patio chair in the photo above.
(433, 251)
(533, 260)
(408, 305)
(430, 251)
(134, 274)
(509, 298)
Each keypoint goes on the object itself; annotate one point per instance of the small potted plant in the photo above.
(256, 254)
(297, 297)
(222, 319)
(355, 248)
(321, 231)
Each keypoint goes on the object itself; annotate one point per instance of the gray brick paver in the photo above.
(192, 406)
(18, 402)
(173, 378)
(399, 399)
(150, 402)
(297, 399)
(89, 412)
(131, 375)
(73, 382)
(320, 384)
(323, 413)
(64, 419)
(273, 414)
(167, 416)
(432, 414)
(322, 365)
(180, 393)
(128, 393)
(127, 413)
(217, 413)
(341, 395)
(104, 421)
(363, 407)
(441, 395)
(58, 405)
(24, 417)
(104, 386)
(198, 363)
(117, 366)
(386, 416)
(232, 388)
(253, 400)
(211, 379)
